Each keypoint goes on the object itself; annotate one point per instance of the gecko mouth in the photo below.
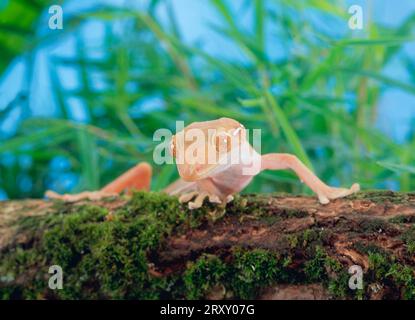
(193, 172)
(200, 171)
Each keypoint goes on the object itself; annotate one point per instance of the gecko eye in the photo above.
(173, 146)
(223, 142)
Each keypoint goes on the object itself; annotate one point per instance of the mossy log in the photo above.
(149, 246)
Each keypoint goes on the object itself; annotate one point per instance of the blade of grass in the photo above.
(379, 77)
(89, 160)
(397, 168)
(259, 24)
(395, 41)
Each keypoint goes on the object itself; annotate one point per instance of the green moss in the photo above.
(332, 265)
(267, 219)
(384, 269)
(308, 239)
(292, 240)
(324, 269)
(368, 248)
(410, 247)
(111, 258)
(315, 268)
(202, 275)
(404, 276)
(293, 213)
(374, 225)
(246, 273)
(409, 238)
(338, 285)
(252, 270)
(309, 236)
(66, 243)
(408, 235)
(403, 219)
(252, 205)
(381, 196)
(338, 281)
(101, 258)
(379, 264)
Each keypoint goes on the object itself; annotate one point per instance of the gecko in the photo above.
(218, 181)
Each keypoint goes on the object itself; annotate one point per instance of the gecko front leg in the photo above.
(203, 189)
(199, 197)
(325, 193)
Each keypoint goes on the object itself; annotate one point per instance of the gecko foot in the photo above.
(229, 198)
(90, 195)
(198, 197)
(335, 193)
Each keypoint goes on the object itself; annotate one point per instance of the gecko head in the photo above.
(204, 148)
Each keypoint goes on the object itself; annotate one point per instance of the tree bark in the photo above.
(313, 244)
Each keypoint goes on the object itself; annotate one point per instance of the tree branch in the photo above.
(259, 246)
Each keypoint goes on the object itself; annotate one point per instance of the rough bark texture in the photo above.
(259, 246)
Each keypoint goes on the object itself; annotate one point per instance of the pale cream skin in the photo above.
(218, 181)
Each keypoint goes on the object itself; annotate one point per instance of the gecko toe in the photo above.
(229, 198)
(198, 202)
(187, 197)
(214, 199)
(355, 188)
(323, 199)
(193, 205)
(335, 193)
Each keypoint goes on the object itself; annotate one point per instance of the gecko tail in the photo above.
(136, 178)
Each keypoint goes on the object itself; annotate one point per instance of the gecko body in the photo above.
(215, 160)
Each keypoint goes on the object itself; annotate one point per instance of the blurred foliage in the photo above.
(17, 25)
(319, 101)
